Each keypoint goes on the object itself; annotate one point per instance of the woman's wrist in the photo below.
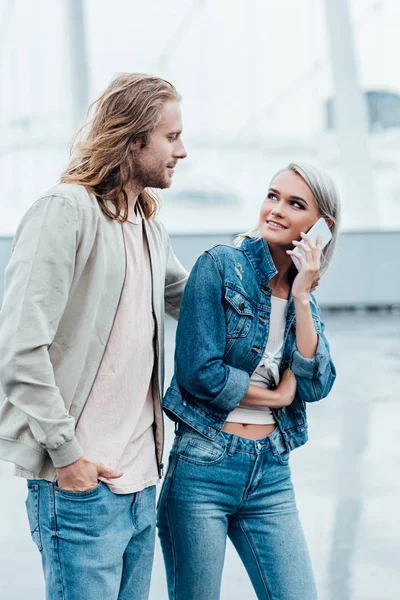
(301, 299)
(263, 398)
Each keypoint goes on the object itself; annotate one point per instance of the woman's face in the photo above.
(288, 209)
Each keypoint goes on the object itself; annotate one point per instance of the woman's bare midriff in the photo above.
(252, 432)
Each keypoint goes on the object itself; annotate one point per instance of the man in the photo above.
(81, 346)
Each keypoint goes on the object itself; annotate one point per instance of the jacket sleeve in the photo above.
(314, 376)
(201, 339)
(38, 281)
(175, 280)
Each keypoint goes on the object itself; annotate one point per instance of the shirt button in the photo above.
(184, 403)
(242, 306)
(279, 412)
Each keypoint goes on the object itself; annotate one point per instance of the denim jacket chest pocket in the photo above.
(239, 314)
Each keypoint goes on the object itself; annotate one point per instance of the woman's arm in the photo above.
(282, 396)
(201, 341)
(311, 361)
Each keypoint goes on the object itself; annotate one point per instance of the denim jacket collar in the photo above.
(259, 255)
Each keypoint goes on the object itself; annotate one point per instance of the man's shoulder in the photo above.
(77, 195)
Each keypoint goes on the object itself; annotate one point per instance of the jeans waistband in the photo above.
(234, 443)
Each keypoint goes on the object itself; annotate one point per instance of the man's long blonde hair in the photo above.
(101, 160)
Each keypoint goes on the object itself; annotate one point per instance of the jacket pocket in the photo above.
(32, 509)
(238, 314)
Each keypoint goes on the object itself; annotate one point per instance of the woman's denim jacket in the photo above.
(222, 333)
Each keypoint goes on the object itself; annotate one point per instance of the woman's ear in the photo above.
(329, 222)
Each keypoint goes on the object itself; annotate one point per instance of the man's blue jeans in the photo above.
(239, 488)
(94, 545)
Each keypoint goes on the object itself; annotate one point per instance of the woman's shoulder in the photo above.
(224, 252)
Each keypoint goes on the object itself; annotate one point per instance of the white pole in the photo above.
(351, 121)
(79, 68)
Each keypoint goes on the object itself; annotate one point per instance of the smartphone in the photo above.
(319, 228)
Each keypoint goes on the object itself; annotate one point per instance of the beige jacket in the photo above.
(63, 286)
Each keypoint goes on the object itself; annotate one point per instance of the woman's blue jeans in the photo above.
(239, 488)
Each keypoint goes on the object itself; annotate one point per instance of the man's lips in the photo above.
(276, 225)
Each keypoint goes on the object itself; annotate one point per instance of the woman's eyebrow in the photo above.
(298, 198)
(277, 192)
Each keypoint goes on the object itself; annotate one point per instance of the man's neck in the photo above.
(132, 192)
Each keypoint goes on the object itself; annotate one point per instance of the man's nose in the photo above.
(180, 152)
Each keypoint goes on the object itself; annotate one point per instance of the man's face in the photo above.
(154, 165)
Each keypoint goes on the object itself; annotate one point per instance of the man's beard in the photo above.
(151, 173)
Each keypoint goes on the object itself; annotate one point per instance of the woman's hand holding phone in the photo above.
(310, 264)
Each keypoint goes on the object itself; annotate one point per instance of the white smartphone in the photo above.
(319, 228)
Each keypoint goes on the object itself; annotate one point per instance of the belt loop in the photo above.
(272, 444)
(232, 445)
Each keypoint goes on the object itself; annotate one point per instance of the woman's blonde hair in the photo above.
(327, 197)
(126, 112)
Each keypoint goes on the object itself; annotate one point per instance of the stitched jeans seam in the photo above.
(258, 563)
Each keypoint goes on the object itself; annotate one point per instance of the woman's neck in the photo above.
(282, 281)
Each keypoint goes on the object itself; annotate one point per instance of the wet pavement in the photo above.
(346, 479)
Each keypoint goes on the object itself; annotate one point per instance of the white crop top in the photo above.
(268, 368)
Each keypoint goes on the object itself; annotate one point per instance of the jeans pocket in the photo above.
(200, 451)
(32, 509)
(82, 495)
(281, 451)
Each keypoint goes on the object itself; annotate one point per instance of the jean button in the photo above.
(259, 446)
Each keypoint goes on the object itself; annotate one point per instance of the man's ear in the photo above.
(136, 146)
(138, 143)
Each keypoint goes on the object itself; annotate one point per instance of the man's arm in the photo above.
(38, 281)
(175, 280)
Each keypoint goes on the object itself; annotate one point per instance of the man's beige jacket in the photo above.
(63, 286)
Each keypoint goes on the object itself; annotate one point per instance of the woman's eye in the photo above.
(272, 196)
(296, 204)
(172, 138)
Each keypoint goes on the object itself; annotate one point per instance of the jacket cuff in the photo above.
(310, 367)
(234, 390)
(66, 454)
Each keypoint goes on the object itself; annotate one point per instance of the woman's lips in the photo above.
(275, 226)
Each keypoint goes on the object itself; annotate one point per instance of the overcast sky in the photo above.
(243, 67)
(240, 66)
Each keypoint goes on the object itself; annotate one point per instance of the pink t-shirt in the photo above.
(116, 425)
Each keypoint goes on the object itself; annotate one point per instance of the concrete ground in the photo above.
(346, 479)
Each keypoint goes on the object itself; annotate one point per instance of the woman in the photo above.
(250, 352)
